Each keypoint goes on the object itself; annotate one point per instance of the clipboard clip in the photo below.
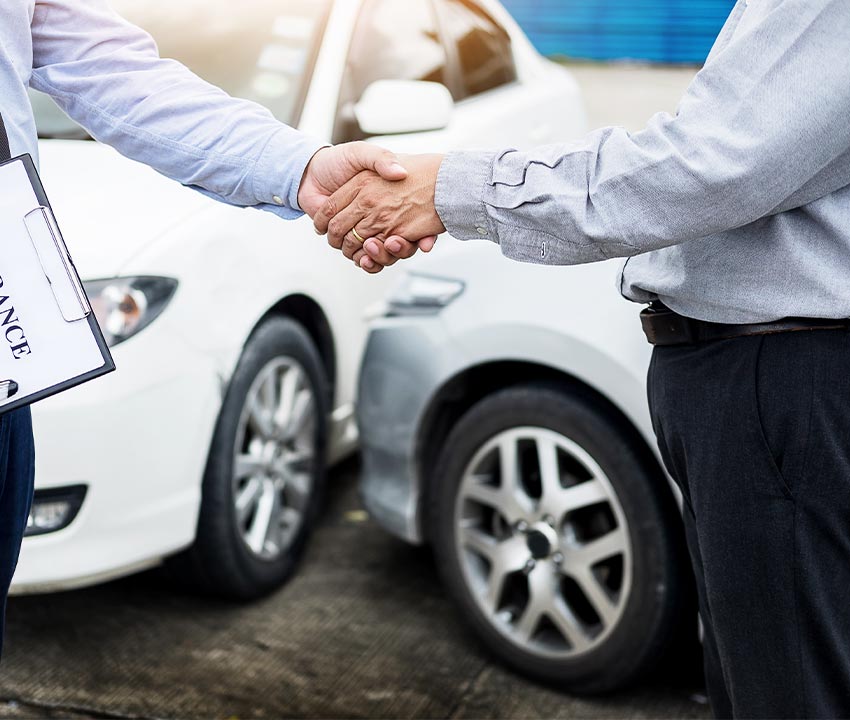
(56, 264)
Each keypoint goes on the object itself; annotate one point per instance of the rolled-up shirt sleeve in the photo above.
(762, 128)
(106, 74)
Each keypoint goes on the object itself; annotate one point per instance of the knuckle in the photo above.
(335, 227)
(329, 209)
(349, 248)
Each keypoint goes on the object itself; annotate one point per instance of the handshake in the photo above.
(371, 206)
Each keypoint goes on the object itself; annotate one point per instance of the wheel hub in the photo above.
(522, 529)
(274, 449)
(542, 541)
(271, 454)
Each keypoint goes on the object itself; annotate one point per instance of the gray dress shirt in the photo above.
(736, 209)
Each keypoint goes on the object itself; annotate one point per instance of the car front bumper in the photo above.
(406, 362)
(138, 440)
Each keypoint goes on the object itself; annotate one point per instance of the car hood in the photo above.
(109, 207)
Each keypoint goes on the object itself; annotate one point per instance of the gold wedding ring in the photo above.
(357, 236)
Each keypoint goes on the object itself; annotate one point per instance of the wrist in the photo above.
(435, 224)
(303, 187)
(462, 181)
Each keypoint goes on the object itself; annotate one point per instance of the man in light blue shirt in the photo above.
(107, 75)
(735, 216)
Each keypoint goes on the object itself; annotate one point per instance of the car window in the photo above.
(393, 40)
(484, 52)
(260, 50)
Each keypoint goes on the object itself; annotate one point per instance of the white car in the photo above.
(238, 336)
(504, 422)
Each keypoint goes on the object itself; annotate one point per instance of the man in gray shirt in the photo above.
(734, 215)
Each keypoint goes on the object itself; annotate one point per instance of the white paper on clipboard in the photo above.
(45, 336)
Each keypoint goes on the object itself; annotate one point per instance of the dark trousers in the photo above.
(17, 472)
(756, 432)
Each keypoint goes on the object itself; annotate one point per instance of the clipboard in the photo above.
(49, 338)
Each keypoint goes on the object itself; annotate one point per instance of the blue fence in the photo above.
(667, 31)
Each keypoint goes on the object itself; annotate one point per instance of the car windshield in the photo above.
(260, 50)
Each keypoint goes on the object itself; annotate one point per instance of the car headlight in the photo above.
(423, 294)
(124, 306)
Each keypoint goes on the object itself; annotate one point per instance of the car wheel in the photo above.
(265, 474)
(562, 550)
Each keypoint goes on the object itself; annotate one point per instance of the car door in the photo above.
(494, 106)
(452, 42)
(459, 44)
(390, 39)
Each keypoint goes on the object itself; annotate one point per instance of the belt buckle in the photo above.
(647, 323)
(662, 326)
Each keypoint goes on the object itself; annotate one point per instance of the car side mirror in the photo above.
(392, 107)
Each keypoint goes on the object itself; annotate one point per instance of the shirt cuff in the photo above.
(279, 169)
(459, 197)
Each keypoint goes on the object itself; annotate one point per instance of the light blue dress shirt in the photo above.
(108, 76)
(736, 209)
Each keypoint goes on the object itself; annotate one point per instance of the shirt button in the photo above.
(277, 200)
(482, 231)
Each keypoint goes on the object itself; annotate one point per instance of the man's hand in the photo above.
(331, 167)
(375, 255)
(376, 210)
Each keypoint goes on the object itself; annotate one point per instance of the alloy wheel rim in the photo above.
(274, 453)
(543, 542)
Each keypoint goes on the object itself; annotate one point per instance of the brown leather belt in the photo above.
(662, 326)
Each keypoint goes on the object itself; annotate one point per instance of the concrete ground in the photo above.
(363, 630)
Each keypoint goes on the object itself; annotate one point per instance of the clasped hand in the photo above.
(373, 206)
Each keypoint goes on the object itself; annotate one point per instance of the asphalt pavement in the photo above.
(363, 630)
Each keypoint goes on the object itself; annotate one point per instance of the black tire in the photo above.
(219, 562)
(654, 606)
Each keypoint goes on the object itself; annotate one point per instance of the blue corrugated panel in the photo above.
(669, 31)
